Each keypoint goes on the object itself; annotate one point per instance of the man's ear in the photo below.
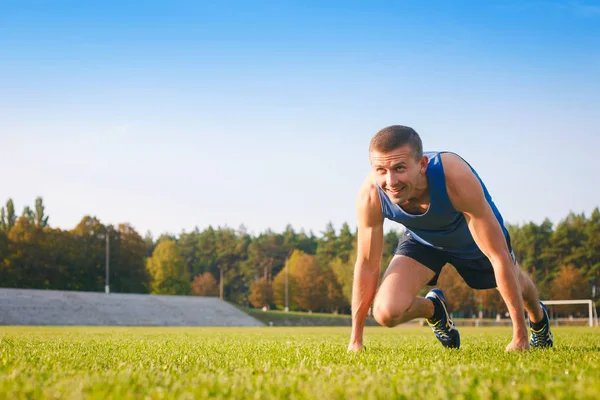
(423, 163)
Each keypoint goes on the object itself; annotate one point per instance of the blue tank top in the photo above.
(441, 226)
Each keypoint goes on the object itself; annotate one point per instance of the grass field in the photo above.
(290, 363)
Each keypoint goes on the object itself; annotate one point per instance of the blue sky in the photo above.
(181, 114)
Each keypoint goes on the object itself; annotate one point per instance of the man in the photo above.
(449, 218)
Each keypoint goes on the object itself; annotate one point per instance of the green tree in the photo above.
(3, 224)
(167, 270)
(28, 213)
(390, 242)
(128, 272)
(531, 245)
(328, 244)
(11, 216)
(189, 246)
(568, 236)
(41, 219)
(307, 243)
(25, 263)
(149, 242)
(345, 243)
(592, 249)
(265, 257)
(207, 251)
(4, 253)
(61, 251)
(290, 239)
(231, 251)
(90, 259)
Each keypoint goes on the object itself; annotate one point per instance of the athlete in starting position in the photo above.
(449, 217)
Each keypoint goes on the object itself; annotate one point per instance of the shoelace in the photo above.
(442, 331)
(540, 337)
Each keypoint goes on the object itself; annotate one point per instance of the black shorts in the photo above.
(478, 273)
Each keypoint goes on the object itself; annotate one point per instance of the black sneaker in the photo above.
(542, 337)
(444, 328)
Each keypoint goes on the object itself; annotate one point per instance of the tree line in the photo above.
(300, 270)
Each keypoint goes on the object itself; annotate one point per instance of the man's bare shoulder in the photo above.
(455, 166)
(367, 194)
(462, 185)
(368, 203)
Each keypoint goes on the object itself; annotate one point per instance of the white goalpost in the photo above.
(592, 315)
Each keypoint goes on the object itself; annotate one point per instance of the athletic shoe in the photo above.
(542, 337)
(444, 328)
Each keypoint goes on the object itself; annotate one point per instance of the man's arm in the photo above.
(368, 259)
(466, 194)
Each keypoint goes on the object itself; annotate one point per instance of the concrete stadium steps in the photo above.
(52, 307)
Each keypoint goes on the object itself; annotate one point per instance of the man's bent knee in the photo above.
(386, 316)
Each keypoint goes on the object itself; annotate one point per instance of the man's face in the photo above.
(398, 172)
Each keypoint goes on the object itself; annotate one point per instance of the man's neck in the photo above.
(421, 199)
(421, 195)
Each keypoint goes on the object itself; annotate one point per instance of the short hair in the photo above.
(394, 136)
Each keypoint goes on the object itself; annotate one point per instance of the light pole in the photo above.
(286, 309)
(220, 281)
(107, 287)
(287, 285)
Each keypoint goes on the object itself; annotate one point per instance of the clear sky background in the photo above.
(174, 115)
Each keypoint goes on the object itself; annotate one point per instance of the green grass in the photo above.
(294, 363)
